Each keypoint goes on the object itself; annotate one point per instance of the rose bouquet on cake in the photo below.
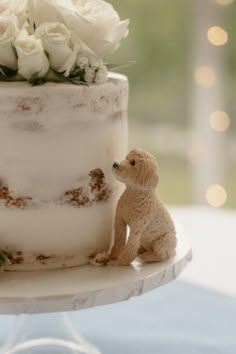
(58, 40)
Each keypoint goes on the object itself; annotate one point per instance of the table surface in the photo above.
(86, 286)
(212, 234)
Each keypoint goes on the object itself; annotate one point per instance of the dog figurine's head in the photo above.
(138, 169)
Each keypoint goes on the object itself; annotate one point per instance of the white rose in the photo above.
(8, 33)
(16, 8)
(57, 42)
(31, 56)
(95, 22)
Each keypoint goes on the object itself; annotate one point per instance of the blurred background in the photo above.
(182, 108)
(182, 94)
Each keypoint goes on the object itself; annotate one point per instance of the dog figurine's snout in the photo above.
(116, 165)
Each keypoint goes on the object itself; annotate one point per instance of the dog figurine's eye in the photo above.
(132, 162)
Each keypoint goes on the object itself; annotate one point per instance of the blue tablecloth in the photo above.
(175, 319)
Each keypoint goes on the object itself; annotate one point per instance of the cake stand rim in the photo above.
(151, 277)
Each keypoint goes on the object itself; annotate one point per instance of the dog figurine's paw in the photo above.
(114, 262)
(118, 262)
(100, 259)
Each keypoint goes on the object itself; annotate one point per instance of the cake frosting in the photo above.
(57, 193)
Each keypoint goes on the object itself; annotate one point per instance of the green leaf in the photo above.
(4, 260)
(77, 72)
(2, 73)
(120, 66)
(13, 78)
(35, 80)
(76, 77)
(15, 51)
(53, 76)
(7, 72)
(9, 75)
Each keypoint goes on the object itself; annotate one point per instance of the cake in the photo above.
(59, 138)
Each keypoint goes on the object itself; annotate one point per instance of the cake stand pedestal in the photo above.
(34, 295)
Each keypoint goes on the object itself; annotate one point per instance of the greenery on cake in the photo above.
(4, 260)
(58, 40)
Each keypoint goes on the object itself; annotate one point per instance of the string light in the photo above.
(217, 36)
(219, 121)
(205, 76)
(216, 195)
(224, 2)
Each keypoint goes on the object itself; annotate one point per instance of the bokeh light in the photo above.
(217, 36)
(216, 196)
(205, 76)
(219, 121)
(224, 2)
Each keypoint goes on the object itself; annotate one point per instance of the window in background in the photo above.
(163, 101)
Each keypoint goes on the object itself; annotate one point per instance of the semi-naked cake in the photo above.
(63, 123)
(57, 193)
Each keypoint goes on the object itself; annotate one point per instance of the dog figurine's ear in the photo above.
(148, 177)
(155, 177)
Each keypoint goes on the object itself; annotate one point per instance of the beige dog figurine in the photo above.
(152, 231)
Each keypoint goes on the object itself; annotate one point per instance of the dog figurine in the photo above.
(152, 232)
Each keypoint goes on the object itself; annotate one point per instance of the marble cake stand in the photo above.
(74, 289)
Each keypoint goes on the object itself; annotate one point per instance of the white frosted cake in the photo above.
(63, 123)
(57, 193)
